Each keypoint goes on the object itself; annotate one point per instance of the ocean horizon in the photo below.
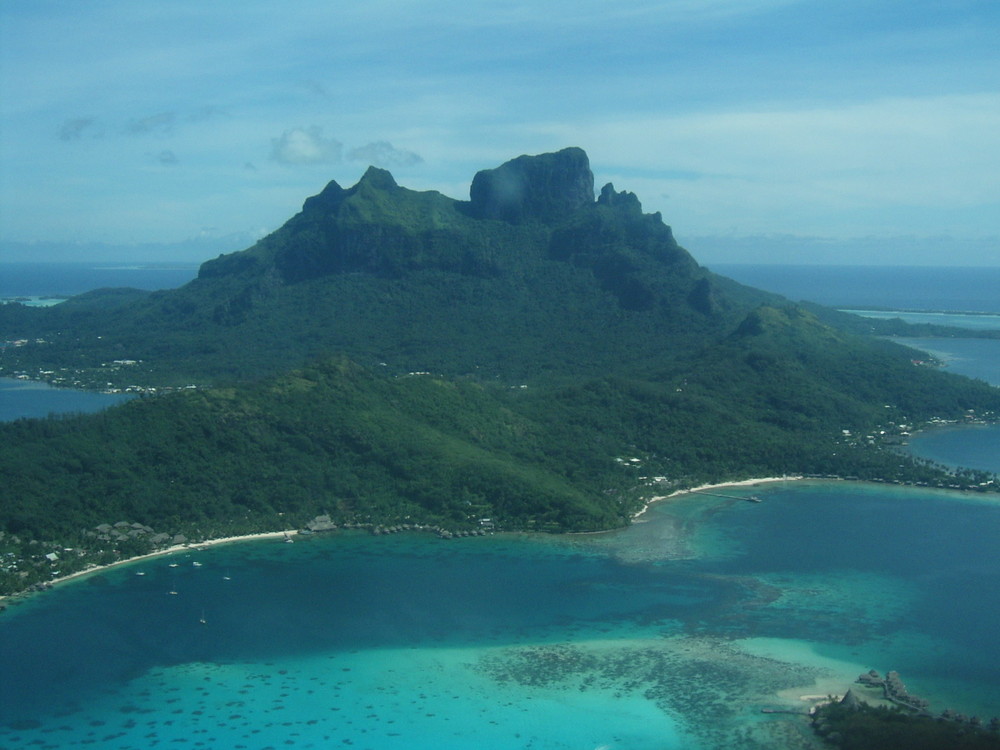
(908, 288)
(900, 288)
(43, 281)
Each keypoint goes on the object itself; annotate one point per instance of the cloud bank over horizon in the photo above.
(127, 124)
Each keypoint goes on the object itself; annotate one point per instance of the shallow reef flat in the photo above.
(701, 627)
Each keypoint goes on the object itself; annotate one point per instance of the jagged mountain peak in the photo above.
(624, 199)
(333, 195)
(544, 187)
(377, 178)
(560, 281)
(528, 211)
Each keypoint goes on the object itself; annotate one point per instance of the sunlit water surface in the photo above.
(674, 633)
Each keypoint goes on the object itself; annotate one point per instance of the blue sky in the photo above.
(763, 130)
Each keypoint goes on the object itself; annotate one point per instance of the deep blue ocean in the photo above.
(673, 633)
(67, 279)
(958, 289)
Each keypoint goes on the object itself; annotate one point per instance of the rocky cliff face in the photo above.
(381, 228)
(544, 188)
(531, 277)
(526, 211)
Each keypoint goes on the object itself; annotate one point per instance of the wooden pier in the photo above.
(749, 499)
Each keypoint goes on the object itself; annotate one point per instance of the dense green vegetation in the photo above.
(364, 446)
(582, 361)
(410, 279)
(331, 438)
(866, 727)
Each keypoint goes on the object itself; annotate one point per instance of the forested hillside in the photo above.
(364, 446)
(414, 281)
(533, 356)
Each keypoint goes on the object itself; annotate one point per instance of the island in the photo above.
(543, 356)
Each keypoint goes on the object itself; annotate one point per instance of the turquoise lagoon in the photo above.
(970, 321)
(672, 633)
(968, 446)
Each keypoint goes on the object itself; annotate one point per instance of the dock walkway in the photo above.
(749, 499)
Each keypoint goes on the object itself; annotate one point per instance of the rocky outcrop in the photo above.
(542, 188)
(624, 201)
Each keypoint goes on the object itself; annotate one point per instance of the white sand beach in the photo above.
(708, 487)
(278, 534)
(187, 547)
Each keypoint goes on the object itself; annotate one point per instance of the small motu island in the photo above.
(883, 714)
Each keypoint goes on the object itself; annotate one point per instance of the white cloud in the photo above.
(794, 116)
(384, 154)
(808, 169)
(305, 146)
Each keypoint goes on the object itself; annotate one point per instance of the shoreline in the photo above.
(186, 547)
(717, 486)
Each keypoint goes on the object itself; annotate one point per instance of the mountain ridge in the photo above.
(389, 357)
(386, 274)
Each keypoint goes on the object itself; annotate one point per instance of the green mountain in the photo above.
(531, 278)
(582, 362)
